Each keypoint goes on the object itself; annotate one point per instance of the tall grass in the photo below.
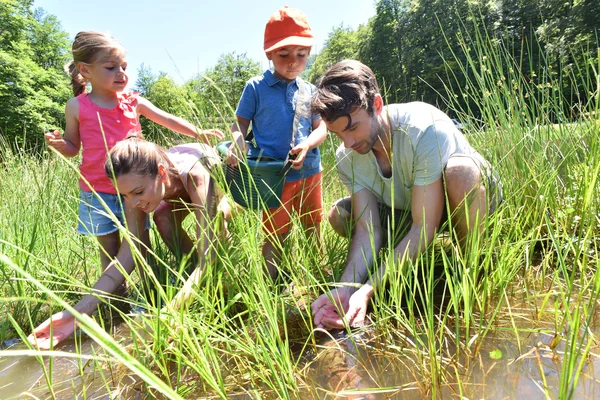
(245, 335)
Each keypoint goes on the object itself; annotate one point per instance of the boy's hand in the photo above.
(54, 139)
(206, 134)
(235, 154)
(300, 152)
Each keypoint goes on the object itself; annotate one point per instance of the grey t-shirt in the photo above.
(423, 138)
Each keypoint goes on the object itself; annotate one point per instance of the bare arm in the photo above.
(204, 203)
(366, 242)
(239, 130)
(427, 208)
(112, 277)
(62, 324)
(317, 136)
(69, 144)
(367, 237)
(177, 124)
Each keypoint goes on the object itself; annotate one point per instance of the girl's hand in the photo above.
(63, 326)
(54, 139)
(300, 151)
(206, 134)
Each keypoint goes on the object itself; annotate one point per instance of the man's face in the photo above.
(360, 131)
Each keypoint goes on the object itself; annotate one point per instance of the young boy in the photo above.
(269, 102)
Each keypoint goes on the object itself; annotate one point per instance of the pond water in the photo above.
(358, 365)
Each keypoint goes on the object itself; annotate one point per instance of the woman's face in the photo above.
(142, 191)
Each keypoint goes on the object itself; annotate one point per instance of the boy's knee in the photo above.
(340, 218)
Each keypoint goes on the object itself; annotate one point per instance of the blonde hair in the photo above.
(89, 47)
(135, 155)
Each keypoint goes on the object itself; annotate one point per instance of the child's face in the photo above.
(108, 72)
(289, 62)
(142, 192)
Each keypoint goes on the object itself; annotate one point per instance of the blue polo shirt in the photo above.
(270, 104)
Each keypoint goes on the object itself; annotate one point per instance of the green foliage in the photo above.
(218, 91)
(165, 94)
(33, 86)
(341, 44)
(415, 47)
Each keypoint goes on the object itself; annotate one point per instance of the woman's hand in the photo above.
(53, 331)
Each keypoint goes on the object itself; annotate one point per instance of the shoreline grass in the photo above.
(528, 289)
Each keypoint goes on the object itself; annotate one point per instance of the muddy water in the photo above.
(506, 364)
(25, 376)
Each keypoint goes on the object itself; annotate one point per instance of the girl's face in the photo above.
(289, 62)
(142, 191)
(108, 73)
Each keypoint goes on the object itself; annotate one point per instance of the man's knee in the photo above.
(340, 217)
(463, 178)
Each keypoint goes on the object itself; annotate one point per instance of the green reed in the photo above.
(437, 310)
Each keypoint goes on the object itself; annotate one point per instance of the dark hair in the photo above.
(136, 156)
(344, 87)
(89, 47)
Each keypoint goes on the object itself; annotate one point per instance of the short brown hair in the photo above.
(344, 87)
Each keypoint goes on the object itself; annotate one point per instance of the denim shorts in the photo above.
(94, 219)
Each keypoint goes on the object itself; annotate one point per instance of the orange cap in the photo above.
(287, 27)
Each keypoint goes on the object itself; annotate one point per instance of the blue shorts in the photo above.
(94, 219)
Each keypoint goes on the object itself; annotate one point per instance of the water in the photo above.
(22, 375)
(506, 364)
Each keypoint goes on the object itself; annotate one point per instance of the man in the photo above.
(401, 162)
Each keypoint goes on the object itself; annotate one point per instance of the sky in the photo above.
(186, 37)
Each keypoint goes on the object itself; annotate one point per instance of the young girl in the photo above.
(96, 121)
(99, 119)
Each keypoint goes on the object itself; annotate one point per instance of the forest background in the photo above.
(414, 47)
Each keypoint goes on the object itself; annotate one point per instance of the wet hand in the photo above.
(326, 313)
(61, 324)
(300, 152)
(357, 306)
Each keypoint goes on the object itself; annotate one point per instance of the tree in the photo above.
(33, 85)
(165, 94)
(217, 92)
(342, 43)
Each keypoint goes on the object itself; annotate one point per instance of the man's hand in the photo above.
(357, 306)
(62, 325)
(326, 312)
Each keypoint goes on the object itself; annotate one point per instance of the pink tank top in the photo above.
(116, 124)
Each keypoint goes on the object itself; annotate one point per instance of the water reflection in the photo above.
(27, 376)
(521, 357)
